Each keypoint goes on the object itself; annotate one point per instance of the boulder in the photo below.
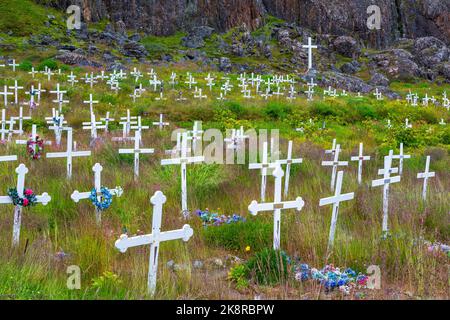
(379, 80)
(225, 64)
(347, 46)
(195, 38)
(351, 67)
(72, 58)
(134, 49)
(430, 52)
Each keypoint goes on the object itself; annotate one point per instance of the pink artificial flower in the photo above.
(25, 202)
(28, 192)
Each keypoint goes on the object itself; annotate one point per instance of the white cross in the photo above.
(335, 164)
(401, 156)
(77, 196)
(288, 162)
(196, 135)
(21, 171)
(183, 160)
(139, 127)
(442, 122)
(127, 122)
(136, 151)
(34, 136)
(91, 102)
(309, 47)
(60, 101)
(48, 73)
(9, 131)
(5, 95)
(154, 239)
(21, 118)
(102, 76)
(91, 80)
(332, 151)
(58, 91)
(93, 125)
(107, 119)
(425, 175)
(263, 166)
(276, 206)
(385, 182)
(72, 78)
(407, 124)
(39, 91)
(360, 158)
(57, 126)
(378, 94)
(13, 64)
(69, 154)
(16, 89)
(161, 123)
(33, 72)
(335, 200)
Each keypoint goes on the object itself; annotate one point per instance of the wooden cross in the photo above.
(276, 206)
(69, 154)
(335, 201)
(33, 137)
(335, 164)
(136, 151)
(72, 78)
(196, 135)
(264, 166)
(33, 72)
(16, 93)
(21, 171)
(91, 80)
(154, 239)
(385, 182)
(77, 196)
(332, 151)
(60, 101)
(127, 122)
(107, 119)
(425, 176)
(309, 46)
(13, 64)
(5, 95)
(48, 73)
(401, 156)
(183, 160)
(139, 127)
(161, 123)
(21, 118)
(58, 92)
(288, 162)
(360, 158)
(93, 125)
(9, 131)
(91, 102)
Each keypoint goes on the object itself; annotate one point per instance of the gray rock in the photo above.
(379, 80)
(351, 67)
(134, 49)
(195, 38)
(347, 46)
(72, 58)
(445, 71)
(225, 64)
(430, 52)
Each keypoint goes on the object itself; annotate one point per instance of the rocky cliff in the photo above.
(400, 18)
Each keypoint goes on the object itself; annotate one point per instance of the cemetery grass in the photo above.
(35, 271)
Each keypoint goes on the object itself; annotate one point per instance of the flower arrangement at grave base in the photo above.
(105, 200)
(35, 147)
(29, 198)
(331, 277)
(215, 219)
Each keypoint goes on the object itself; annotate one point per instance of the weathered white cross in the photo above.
(183, 160)
(16, 89)
(107, 119)
(21, 171)
(33, 137)
(77, 196)
(13, 64)
(425, 176)
(5, 95)
(335, 201)
(154, 239)
(385, 182)
(335, 164)
(401, 156)
(91, 102)
(309, 46)
(136, 151)
(161, 123)
(288, 162)
(360, 158)
(69, 154)
(93, 125)
(276, 206)
(21, 118)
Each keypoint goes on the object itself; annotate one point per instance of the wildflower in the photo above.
(247, 249)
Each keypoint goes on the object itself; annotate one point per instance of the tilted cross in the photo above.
(154, 239)
(69, 153)
(288, 162)
(425, 176)
(183, 160)
(21, 171)
(77, 196)
(335, 164)
(401, 156)
(360, 158)
(276, 206)
(385, 182)
(136, 151)
(335, 201)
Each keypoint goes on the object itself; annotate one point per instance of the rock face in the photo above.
(400, 18)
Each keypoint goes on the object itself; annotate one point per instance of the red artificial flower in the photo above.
(28, 192)
(25, 202)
